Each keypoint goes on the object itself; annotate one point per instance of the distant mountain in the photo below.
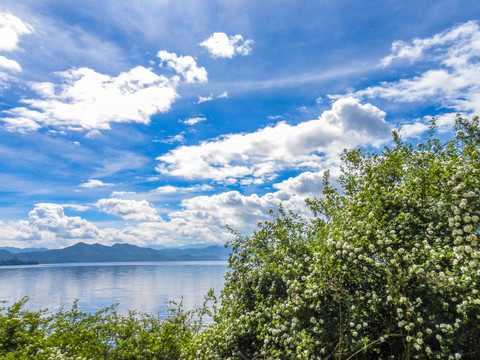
(15, 250)
(209, 251)
(81, 253)
(156, 247)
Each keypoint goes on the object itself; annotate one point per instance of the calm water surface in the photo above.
(140, 286)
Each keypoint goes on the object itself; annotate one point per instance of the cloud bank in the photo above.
(262, 154)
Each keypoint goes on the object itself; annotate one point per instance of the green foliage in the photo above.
(76, 335)
(388, 268)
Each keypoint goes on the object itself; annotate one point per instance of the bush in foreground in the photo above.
(77, 335)
(389, 268)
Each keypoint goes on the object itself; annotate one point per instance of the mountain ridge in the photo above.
(83, 253)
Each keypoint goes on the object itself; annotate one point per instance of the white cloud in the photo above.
(184, 65)
(453, 46)
(93, 183)
(11, 28)
(167, 189)
(172, 139)
(87, 100)
(221, 45)
(306, 184)
(21, 124)
(48, 226)
(9, 64)
(195, 120)
(261, 155)
(51, 218)
(129, 209)
(202, 99)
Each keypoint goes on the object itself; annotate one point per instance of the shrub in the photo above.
(387, 268)
(77, 335)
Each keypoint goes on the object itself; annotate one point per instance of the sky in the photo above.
(161, 122)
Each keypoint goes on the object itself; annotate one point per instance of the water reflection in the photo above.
(140, 286)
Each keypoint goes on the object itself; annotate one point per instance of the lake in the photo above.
(135, 286)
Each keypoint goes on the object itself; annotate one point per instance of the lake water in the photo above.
(135, 286)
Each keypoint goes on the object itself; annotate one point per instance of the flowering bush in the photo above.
(387, 268)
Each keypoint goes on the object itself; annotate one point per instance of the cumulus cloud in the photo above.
(93, 183)
(47, 225)
(194, 120)
(306, 184)
(262, 154)
(8, 64)
(11, 28)
(51, 218)
(221, 45)
(129, 209)
(87, 100)
(184, 65)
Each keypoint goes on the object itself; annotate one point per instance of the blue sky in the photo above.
(159, 122)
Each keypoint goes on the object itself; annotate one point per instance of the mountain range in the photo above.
(82, 253)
